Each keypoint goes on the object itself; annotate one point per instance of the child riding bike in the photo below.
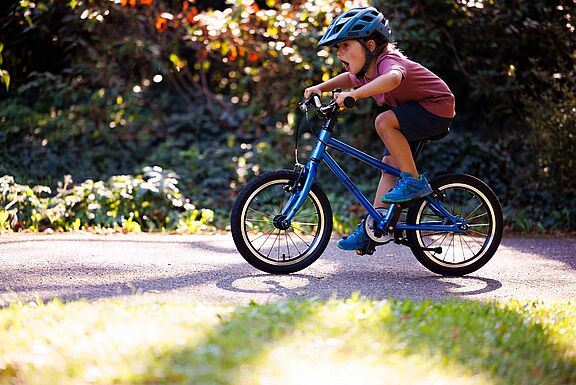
(414, 104)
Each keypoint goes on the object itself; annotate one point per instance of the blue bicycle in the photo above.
(281, 221)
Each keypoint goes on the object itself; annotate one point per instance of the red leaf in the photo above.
(161, 24)
(191, 14)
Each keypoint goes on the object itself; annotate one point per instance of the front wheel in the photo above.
(462, 253)
(268, 246)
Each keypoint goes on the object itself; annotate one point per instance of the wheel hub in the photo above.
(280, 222)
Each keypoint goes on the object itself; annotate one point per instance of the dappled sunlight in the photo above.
(323, 364)
(79, 343)
(343, 343)
(352, 341)
(557, 319)
(551, 253)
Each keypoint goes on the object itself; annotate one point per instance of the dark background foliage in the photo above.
(84, 97)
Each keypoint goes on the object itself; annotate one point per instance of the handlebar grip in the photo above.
(316, 100)
(349, 102)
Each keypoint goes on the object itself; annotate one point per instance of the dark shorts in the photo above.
(416, 123)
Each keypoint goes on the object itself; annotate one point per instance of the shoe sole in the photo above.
(359, 248)
(404, 200)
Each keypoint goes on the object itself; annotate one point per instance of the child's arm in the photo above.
(381, 85)
(341, 81)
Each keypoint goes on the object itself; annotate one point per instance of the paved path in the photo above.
(152, 267)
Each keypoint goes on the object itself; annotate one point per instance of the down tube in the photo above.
(337, 170)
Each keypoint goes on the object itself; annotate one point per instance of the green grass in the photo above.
(354, 341)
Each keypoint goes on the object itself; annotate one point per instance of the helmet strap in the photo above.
(368, 57)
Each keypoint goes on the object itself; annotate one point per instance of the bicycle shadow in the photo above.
(211, 270)
(338, 286)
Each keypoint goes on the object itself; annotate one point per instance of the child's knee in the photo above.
(385, 121)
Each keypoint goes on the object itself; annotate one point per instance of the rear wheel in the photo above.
(462, 253)
(264, 242)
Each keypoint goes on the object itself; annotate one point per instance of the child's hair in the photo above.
(382, 45)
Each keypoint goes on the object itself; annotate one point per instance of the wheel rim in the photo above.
(459, 249)
(273, 245)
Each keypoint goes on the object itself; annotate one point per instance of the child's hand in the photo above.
(341, 96)
(312, 90)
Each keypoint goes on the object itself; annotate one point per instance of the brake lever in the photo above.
(327, 108)
(314, 99)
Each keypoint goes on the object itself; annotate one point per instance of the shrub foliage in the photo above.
(125, 203)
(208, 89)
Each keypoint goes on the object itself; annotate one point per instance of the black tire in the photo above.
(267, 247)
(471, 199)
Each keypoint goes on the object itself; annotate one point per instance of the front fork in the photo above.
(299, 189)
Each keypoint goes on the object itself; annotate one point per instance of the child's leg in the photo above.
(388, 129)
(410, 185)
(386, 183)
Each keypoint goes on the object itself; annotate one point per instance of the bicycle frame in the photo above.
(319, 155)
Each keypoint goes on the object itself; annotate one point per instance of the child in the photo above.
(421, 104)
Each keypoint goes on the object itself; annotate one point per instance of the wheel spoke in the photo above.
(263, 243)
(306, 223)
(476, 217)
(258, 220)
(287, 246)
(475, 240)
(303, 241)
(269, 203)
(291, 240)
(462, 246)
(465, 207)
(468, 245)
(273, 243)
(259, 212)
(441, 241)
(477, 232)
(462, 252)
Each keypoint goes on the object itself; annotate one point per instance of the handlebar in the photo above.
(315, 101)
(349, 102)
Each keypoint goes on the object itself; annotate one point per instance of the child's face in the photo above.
(351, 54)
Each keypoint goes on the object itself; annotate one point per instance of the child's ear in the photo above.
(371, 44)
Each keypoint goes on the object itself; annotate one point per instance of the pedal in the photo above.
(403, 241)
(369, 249)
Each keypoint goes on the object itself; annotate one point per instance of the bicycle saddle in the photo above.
(439, 136)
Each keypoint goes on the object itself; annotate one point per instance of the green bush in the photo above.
(148, 202)
(224, 110)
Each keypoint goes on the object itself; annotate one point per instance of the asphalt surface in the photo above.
(193, 268)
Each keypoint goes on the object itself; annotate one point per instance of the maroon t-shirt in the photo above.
(419, 84)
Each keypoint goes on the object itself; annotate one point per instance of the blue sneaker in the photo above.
(408, 188)
(355, 241)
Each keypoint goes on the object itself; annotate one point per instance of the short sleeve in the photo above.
(391, 62)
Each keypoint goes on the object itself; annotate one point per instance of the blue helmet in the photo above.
(356, 23)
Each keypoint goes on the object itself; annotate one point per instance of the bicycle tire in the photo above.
(263, 245)
(472, 199)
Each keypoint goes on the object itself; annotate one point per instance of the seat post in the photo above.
(420, 147)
